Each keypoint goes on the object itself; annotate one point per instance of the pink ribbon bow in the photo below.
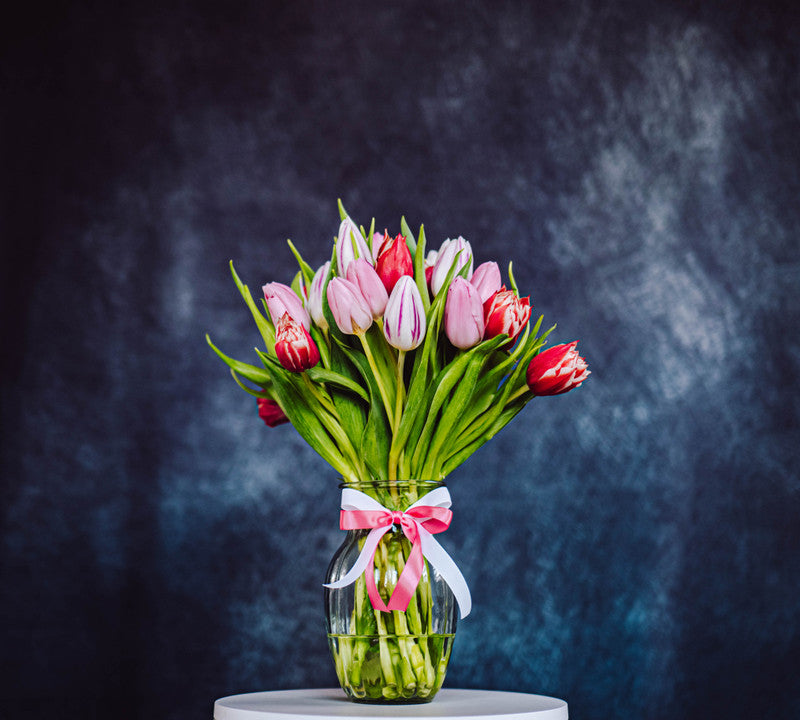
(433, 519)
(428, 516)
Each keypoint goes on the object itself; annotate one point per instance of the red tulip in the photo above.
(270, 412)
(557, 370)
(295, 348)
(394, 261)
(504, 312)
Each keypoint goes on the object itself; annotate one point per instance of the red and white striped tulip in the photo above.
(349, 308)
(295, 348)
(404, 320)
(394, 262)
(557, 370)
(350, 244)
(487, 280)
(505, 313)
(282, 299)
(463, 314)
(366, 279)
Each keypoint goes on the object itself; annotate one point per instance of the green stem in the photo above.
(387, 404)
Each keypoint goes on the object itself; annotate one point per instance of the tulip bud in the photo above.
(282, 299)
(315, 296)
(404, 320)
(350, 244)
(295, 348)
(428, 263)
(349, 308)
(487, 280)
(557, 370)
(447, 258)
(394, 262)
(364, 277)
(505, 313)
(463, 314)
(378, 240)
(270, 412)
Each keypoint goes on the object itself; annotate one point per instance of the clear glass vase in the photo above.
(397, 656)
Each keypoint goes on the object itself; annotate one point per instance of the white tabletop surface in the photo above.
(333, 704)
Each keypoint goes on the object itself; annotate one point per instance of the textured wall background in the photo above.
(632, 547)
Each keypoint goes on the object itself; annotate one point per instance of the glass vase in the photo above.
(395, 657)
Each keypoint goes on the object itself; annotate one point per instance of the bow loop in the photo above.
(426, 517)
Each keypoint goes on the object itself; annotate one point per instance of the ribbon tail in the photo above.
(438, 557)
(409, 579)
(364, 561)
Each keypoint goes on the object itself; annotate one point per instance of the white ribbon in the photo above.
(432, 551)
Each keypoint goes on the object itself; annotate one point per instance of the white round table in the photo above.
(332, 704)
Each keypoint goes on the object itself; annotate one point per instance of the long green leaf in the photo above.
(321, 375)
(251, 372)
(264, 326)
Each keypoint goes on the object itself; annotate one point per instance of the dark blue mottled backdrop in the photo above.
(633, 547)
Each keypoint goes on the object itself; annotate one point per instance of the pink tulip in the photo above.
(295, 348)
(557, 370)
(349, 308)
(463, 314)
(314, 303)
(350, 244)
(487, 280)
(282, 299)
(270, 412)
(447, 258)
(363, 276)
(404, 320)
(394, 262)
(505, 313)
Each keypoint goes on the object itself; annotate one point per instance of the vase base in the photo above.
(391, 669)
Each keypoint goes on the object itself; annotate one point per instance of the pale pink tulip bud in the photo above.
(404, 319)
(349, 308)
(282, 299)
(295, 348)
(463, 314)
(447, 258)
(557, 370)
(350, 244)
(315, 296)
(487, 280)
(366, 278)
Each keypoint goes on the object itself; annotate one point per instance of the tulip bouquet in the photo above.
(396, 364)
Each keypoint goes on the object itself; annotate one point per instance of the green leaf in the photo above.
(458, 404)
(255, 393)
(419, 271)
(375, 437)
(351, 410)
(297, 405)
(251, 372)
(264, 326)
(321, 375)
(511, 280)
(305, 268)
(342, 211)
(409, 236)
